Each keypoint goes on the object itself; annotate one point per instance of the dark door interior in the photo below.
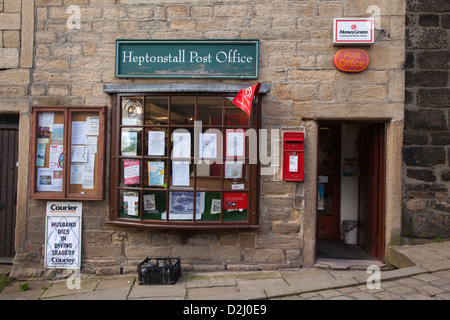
(9, 141)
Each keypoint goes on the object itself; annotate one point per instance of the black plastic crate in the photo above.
(159, 271)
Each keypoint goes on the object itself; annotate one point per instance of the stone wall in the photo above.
(296, 51)
(426, 151)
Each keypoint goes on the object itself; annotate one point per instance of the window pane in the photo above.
(182, 110)
(234, 116)
(130, 143)
(154, 204)
(235, 175)
(210, 110)
(156, 110)
(155, 173)
(132, 111)
(208, 176)
(129, 202)
(212, 207)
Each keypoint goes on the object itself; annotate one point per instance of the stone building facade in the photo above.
(426, 139)
(48, 63)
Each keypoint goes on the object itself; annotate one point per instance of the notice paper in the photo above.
(235, 143)
(208, 145)
(131, 172)
(78, 132)
(156, 143)
(180, 173)
(92, 126)
(55, 153)
(181, 145)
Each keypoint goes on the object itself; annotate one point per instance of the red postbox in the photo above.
(293, 150)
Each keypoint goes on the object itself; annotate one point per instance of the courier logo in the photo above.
(351, 60)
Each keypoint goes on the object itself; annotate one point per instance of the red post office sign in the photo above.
(351, 60)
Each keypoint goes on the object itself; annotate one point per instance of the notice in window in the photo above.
(180, 173)
(129, 143)
(131, 172)
(235, 200)
(208, 145)
(235, 143)
(156, 173)
(181, 145)
(156, 143)
(131, 205)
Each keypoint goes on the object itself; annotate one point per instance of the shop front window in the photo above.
(182, 161)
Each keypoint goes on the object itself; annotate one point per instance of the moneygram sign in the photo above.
(353, 31)
(236, 59)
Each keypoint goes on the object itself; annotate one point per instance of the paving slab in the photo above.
(210, 280)
(60, 288)
(212, 293)
(115, 282)
(107, 294)
(158, 291)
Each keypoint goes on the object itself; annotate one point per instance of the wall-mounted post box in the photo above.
(293, 150)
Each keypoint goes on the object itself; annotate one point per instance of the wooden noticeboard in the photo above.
(68, 153)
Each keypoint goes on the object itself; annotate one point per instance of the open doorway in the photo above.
(351, 191)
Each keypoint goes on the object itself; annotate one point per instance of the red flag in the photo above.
(245, 97)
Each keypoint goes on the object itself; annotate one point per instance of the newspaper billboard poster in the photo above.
(63, 235)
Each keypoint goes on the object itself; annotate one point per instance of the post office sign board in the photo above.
(353, 31)
(238, 59)
(63, 235)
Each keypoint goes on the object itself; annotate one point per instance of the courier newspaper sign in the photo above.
(63, 235)
(229, 59)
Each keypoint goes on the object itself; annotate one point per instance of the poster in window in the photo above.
(131, 203)
(156, 173)
(215, 206)
(149, 202)
(235, 143)
(181, 205)
(156, 143)
(181, 145)
(233, 169)
(180, 173)
(208, 145)
(131, 172)
(129, 143)
(235, 200)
